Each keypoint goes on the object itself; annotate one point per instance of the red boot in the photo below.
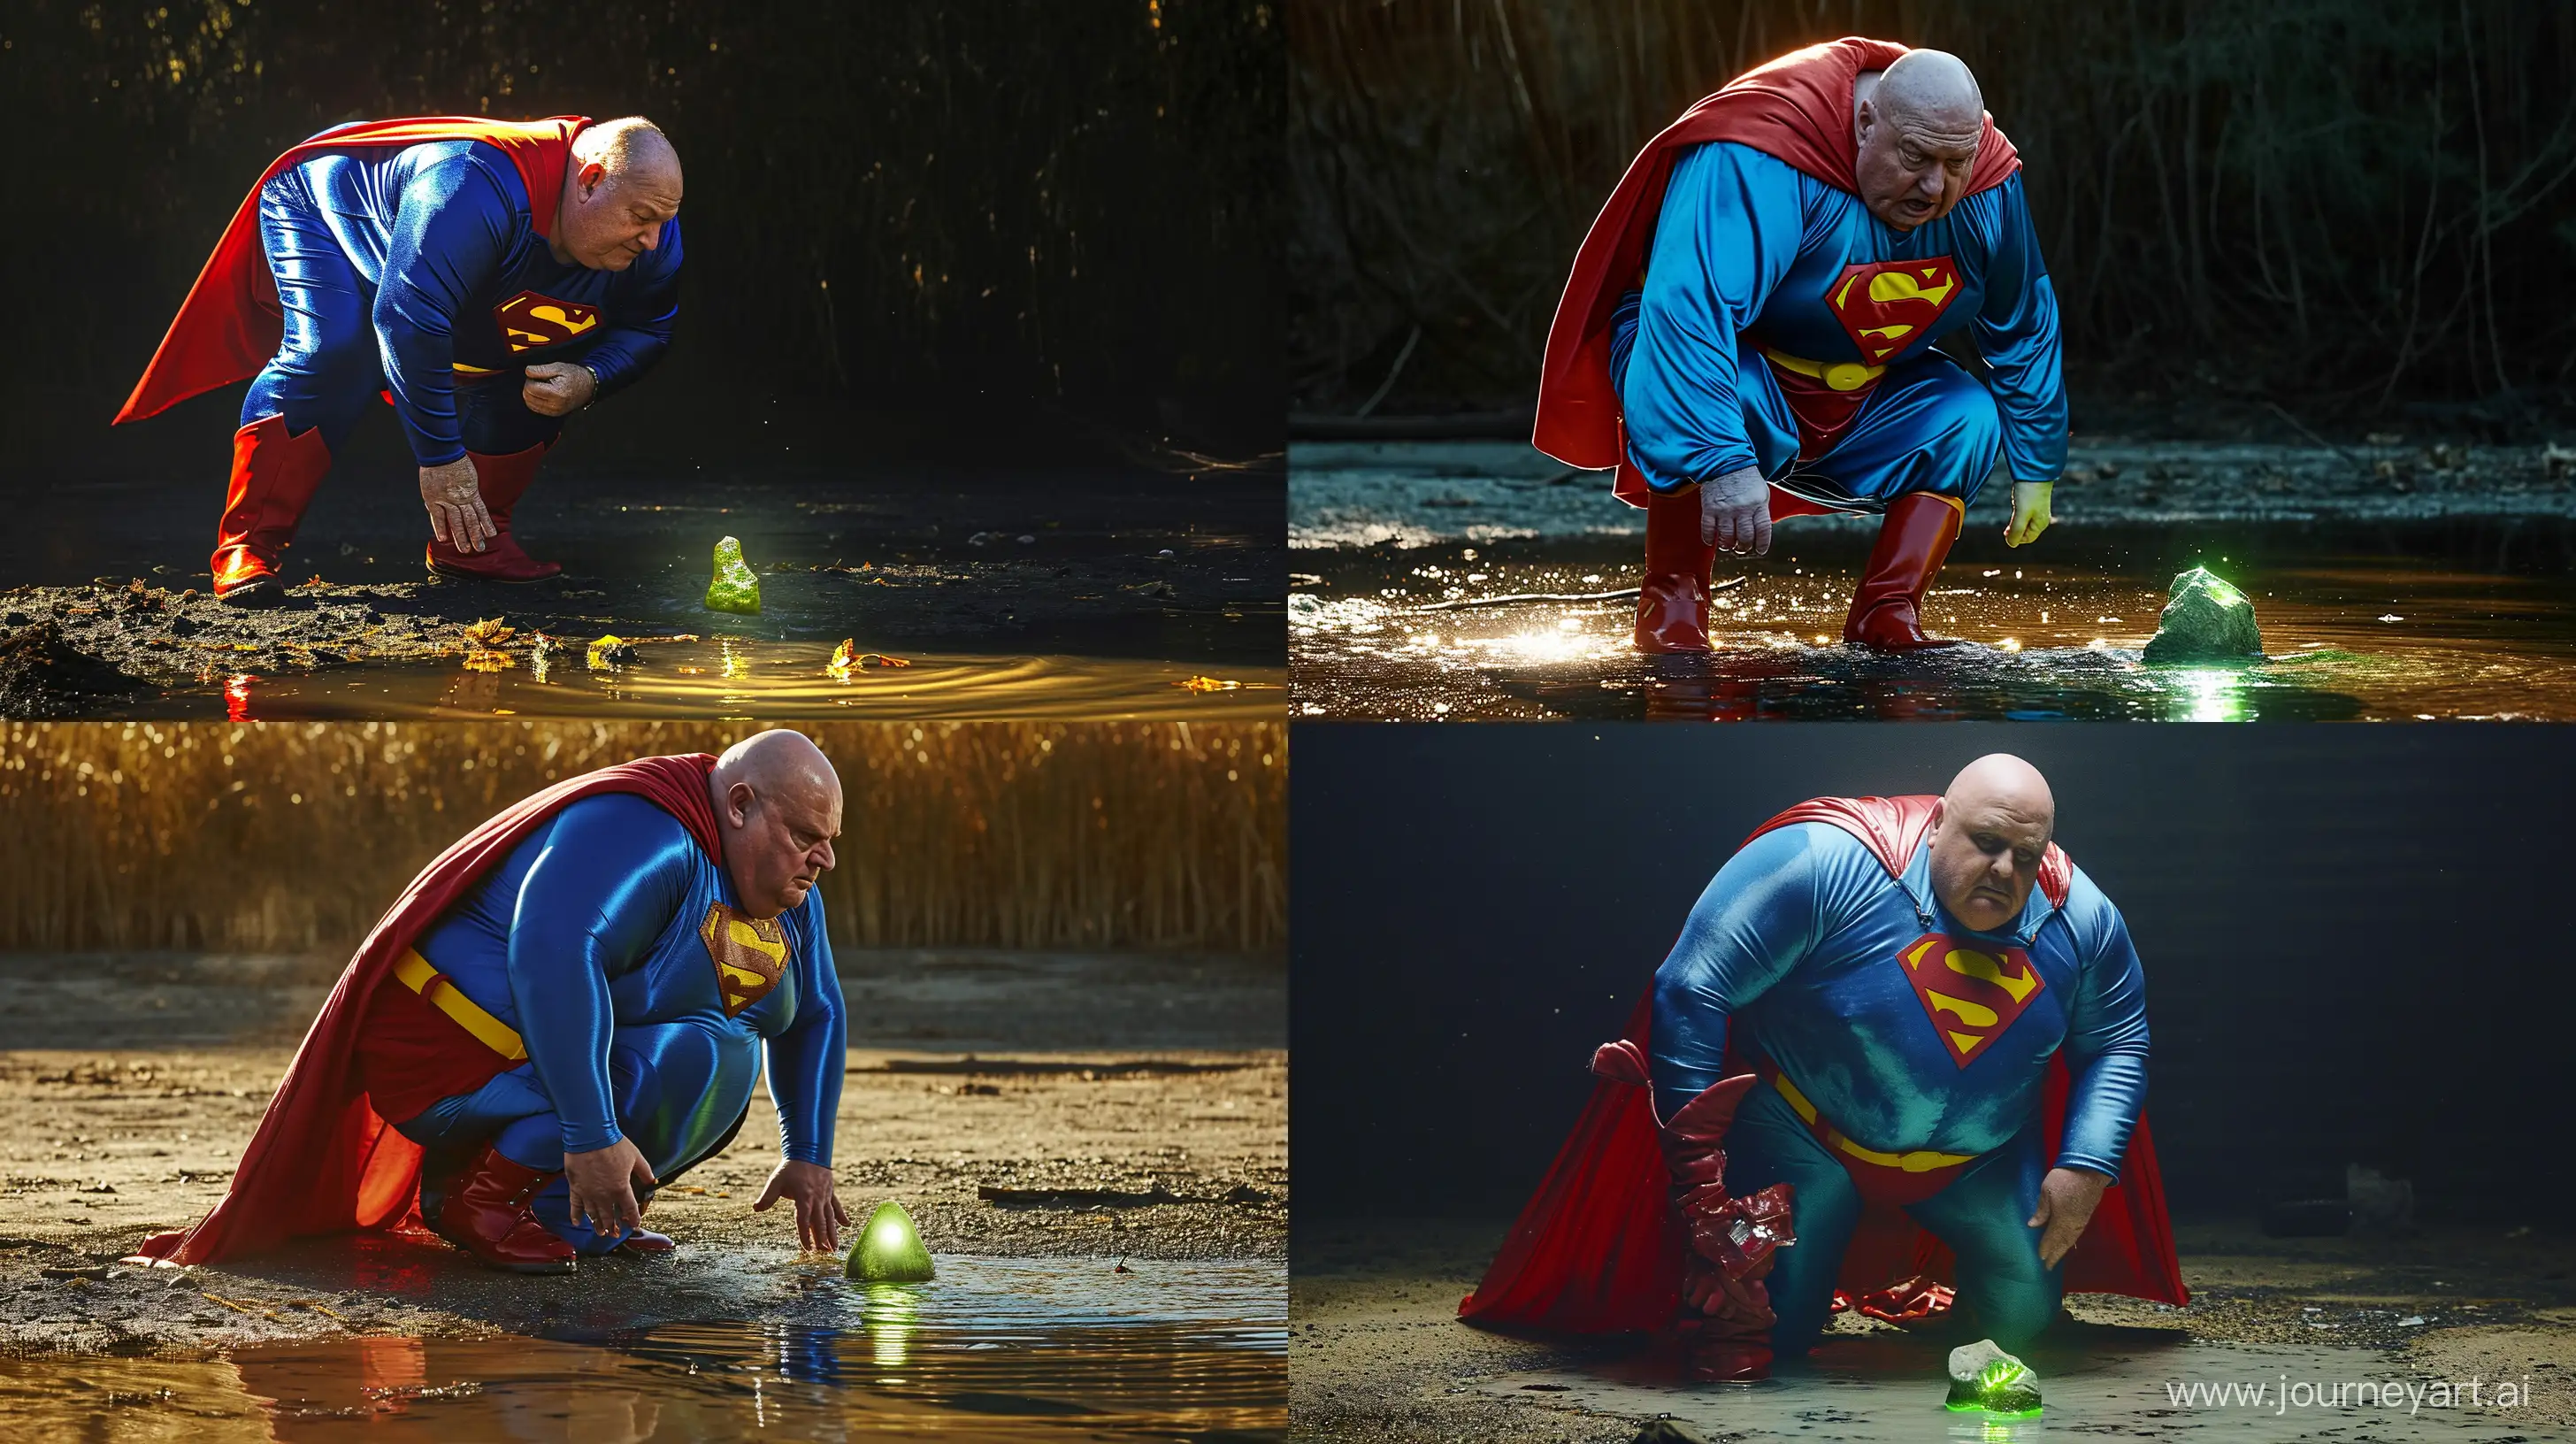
(486, 1214)
(1887, 607)
(274, 477)
(504, 479)
(1672, 600)
(1726, 1310)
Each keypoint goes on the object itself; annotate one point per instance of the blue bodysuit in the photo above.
(419, 272)
(612, 943)
(1751, 254)
(1906, 1032)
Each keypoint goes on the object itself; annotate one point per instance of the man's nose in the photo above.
(652, 240)
(822, 856)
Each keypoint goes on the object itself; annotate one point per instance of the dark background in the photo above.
(910, 224)
(2356, 209)
(2356, 940)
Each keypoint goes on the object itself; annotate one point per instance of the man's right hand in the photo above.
(1735, 513)
(602, 1183)
(454, 497)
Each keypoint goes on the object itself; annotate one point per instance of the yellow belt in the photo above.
(1837, 375)
(441, 992)
(1922, 1160)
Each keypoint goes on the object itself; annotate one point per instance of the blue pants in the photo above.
(680, 1095)
(1981, 1216)
(1928, 426)
(328, 367)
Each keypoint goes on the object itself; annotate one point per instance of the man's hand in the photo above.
(602, 1183)
(2067, 1198)
(558, 388)
(819, 1214)
(1735, 513)
(454, 497)
(2030, 512)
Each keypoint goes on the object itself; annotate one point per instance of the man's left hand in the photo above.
(819, 1215)
(2067, 1198)
(2030, 514)
(558, 388)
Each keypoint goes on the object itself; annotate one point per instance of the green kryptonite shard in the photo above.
(2205, 620)
(1983, 1376)
(733, 588)
(889, 1250)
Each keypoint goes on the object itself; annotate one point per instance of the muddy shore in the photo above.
(1377, 1352)
(1082, 1108)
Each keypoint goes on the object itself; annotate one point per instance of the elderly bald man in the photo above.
(1853, 1044)
(488, 277)
(565, 1011)
(1751, 331)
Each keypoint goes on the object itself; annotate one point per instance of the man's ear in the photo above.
(592, 174)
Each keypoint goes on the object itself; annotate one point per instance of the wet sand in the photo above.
(1082, 1108)
(1376, 1351)
(1122, 581)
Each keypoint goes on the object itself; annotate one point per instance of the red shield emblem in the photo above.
(1887, 305)
(530, 322)
(1970, 995)
(749, 954)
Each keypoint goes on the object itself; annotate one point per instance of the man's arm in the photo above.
(2017, 335)
(1752, 925)
(2106, 1045)
(451, 232)
(805, 1067)
(1728, 232)
(612, 876)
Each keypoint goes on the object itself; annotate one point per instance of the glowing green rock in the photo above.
(1983, 1376)
(889, 1250)
(2205, 620)
(733, 588)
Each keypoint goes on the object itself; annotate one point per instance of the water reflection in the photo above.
(735, 677)
(997, 1349)
(1383, 634)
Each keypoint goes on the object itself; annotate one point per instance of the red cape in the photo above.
(229, 326)
(1598, 1249)
(1797, 109)
(323, 1160)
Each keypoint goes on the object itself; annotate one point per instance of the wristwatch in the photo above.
(594, 384)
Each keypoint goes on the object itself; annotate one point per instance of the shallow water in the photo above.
(1003, 1349)
(2355, 627)
(2123, 1383)
(718, 678)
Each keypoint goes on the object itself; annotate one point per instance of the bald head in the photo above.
(622, 188)
(1934, 91)
(1917, 125)
(1996, 822)
(778, 808)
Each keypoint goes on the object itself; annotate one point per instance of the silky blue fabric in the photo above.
(585, 940)
(389, 264)
(1983, 1215)
(1746, 250)
(1797, 942)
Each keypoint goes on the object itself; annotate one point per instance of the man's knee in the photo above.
(1972, 428)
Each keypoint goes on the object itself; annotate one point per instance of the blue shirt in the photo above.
(597, 919)
(1906, 1029)
(443, 232)
(1749, 252)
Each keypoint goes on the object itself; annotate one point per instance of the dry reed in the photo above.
(294, 837)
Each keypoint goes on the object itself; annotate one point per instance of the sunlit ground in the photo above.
(2057, 633)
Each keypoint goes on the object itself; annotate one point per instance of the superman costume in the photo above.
(1826, 1021)
(1737, 305)
(573, 972)
(408, 258)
